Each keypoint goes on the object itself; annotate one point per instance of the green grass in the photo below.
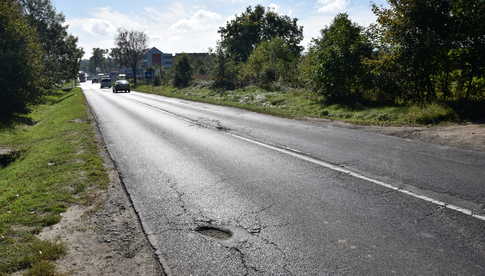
(300, 103)
(59, 160)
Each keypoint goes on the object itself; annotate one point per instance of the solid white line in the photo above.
(360, 176)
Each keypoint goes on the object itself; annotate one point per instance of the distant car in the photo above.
(106, 83)
(121, 85)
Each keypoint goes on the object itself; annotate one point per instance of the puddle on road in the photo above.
(214, 232)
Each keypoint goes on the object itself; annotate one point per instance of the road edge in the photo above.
(110, 162)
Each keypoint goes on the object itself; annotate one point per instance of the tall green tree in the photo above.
(225, 70)
(467, 55)
(241, 35)
(435, 45)
(131, 46)
(21, 64)
(183, 72)
(338, 71)
(57, 44)
(97, 62)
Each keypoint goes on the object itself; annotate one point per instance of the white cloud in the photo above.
(274, 7)
(171, 29)
(331, 6)
(181, 28)
(199, 21)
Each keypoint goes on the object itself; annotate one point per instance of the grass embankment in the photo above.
(299, 103)
(58, 162)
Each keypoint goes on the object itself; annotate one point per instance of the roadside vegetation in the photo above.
(49, 157)
(36, 54)
(58, 162)
(299, 103)
(422, 62)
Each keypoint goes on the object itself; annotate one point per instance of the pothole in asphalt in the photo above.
(214, 232)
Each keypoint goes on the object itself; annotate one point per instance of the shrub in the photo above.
(183, 72)
(337, 70)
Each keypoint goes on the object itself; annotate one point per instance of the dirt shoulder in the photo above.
(465, 136)
(469, 136)
(106, 237)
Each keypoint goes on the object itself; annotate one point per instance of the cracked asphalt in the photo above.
(288, 216)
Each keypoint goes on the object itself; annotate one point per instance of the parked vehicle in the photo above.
(106, 83)
(95, 80)
(121, 85)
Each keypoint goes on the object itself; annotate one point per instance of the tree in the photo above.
(98, 60)
(338, 70)
(183, 72)
(115, 56)
(71, 58)
(225, 70)
(132, 46)
(467, 56)
(241, 35)
(272, 60)
(437, 46)
(57, 44)
(21, 64)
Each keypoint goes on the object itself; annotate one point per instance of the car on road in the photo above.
(94, 80)
(106, 83)
(121, 85)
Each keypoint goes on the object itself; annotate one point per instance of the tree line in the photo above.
(36, 54)
(417, 52)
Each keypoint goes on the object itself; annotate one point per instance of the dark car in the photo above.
(106, 83)
(121, 85)
(94, 80)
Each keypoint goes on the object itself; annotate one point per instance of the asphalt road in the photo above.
(279, 192)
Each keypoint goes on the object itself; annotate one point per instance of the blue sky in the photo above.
(191, 25)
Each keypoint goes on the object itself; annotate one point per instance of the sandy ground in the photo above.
(464, 136)
(105, 238)
(468, 136)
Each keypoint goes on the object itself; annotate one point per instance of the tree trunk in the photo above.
(134, 75)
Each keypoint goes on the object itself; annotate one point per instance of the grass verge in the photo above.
(299, 103)
(57, 164)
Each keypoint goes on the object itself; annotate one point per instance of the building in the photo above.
(154, 58)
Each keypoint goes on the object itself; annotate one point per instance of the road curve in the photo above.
(287, 216)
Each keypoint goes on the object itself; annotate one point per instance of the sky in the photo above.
(191, 25)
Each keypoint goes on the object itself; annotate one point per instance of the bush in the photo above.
(157, 81)
(225, 71)
(20, 62)
(338, 72)
(271, 61)
(183, 72)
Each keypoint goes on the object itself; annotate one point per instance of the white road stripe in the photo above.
(360, 176)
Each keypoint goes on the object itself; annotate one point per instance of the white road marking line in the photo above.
(360, 176)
